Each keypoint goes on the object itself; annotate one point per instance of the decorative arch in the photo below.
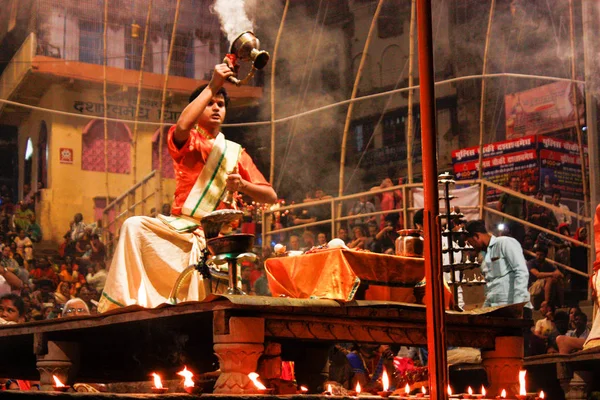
(42, 155)
(391, 65)
(119, 147)
(366, 80)
(167, 162)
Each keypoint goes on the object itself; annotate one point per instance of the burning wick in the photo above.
(158, 387)
(357, 388)
(483, 392)
(254, 378)
(469, 394)
(541, 396)
(58, 385)
(188, 383)
(522, 390)
(407, 390)
(385, 382)
(502, 395)
(423, 392)
(329, 391)
(304, 389)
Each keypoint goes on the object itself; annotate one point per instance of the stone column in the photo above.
(239, 342)
(503, 364)
(57, 358)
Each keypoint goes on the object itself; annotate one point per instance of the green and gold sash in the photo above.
(209, 189)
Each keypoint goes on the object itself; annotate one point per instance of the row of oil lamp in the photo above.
(470, 395)
(189, 387)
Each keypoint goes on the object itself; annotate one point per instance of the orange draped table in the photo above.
(337, 274)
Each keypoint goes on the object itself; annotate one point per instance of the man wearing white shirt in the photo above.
(561, 217)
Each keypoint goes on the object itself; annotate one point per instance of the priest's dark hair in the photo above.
(222, 91)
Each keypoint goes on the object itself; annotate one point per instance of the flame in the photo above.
(254, 378)
(157, 381)
(407, 389)
(305, 389)
(329, 389)
(542, 395)
(385, 381)
(423, 390)
(187, 375)
(357, 387)
(503, 394)
(57, 381)
(522, 391)
(483, 391)
(449, 389)
(470, 391)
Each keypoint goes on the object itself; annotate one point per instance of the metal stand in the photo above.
(232, 260)
(464, 263)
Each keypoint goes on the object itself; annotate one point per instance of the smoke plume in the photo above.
(232, 14)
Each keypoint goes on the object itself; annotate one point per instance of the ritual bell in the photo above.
(246, 48)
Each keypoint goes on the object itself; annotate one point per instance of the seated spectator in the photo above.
(12, 309)
(24, 246)
(43, 294)
(8, 280)
(359, 238)
(87, 294)
(385, 240)
(261, 285)
(166, 209)
(574, 339)
(83, 245)
(294, 243)
(322, 239)
(561, 323)
(370, 241)
(97, 252)
(34, 231)
(362, 206)
(538, 214)
(308, 239)
(563, 247)
(69, 270)
(43, 270)
(62, 293)
(572, 312)
(14, 265)
(246, 284)
(544, 328)
(544, 279)
(75, 308)
(96, 277)
(389, 201)
(343, 234)
(22, 217)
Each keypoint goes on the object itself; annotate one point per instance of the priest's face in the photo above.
(213, 115)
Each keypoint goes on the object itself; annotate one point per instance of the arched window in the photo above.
(167, 162)
(119, 147)
(42, 155)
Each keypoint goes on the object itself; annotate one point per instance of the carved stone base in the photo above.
(503, 364)
(60, 359)
(238, 345)
(575, 384)
(237, 360)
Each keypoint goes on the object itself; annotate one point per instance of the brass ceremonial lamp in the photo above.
(246, 48)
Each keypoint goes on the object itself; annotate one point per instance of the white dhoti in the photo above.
(148, 259)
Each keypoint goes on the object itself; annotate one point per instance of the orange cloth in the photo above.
(189, 160)
(337, 273)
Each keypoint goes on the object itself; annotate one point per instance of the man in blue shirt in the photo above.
(504, 266)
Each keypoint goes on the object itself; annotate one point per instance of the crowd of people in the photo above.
(36, 286)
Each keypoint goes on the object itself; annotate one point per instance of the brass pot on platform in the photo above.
(410, 243)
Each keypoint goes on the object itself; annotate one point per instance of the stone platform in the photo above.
(247, 333)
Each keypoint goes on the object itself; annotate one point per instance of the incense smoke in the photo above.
(232, 14)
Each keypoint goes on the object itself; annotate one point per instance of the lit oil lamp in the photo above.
(358, 388)
(158, 386)
(188, 383)
(522, 389)
(303, 390)
(329, 391)
(541, 396)
(262, 389)
(406, 391)
(450, 395)
(58, 385)
(479, 395)
(385, 382)
(423, 393)
(502, 394)
(469, 394)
